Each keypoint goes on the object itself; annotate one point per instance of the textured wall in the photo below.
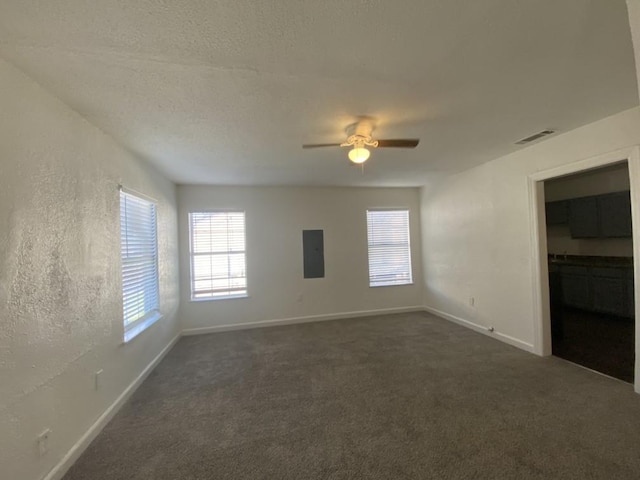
(476, 233)
(633, 10)
(275, 219)
(60, 298)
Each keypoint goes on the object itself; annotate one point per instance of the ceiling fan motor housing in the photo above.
(359, 134)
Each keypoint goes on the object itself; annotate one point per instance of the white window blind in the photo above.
(389, 247)
(218, 264)
(139, 250)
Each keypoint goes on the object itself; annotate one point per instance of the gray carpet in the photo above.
(388, 397)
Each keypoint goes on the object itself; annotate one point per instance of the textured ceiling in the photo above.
(226, 91)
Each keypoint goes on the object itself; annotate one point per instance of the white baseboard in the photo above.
(294, 320)
(81, 445)
(482, 329)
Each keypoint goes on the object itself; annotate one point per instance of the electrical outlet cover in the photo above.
(97, 379)
(43, 442)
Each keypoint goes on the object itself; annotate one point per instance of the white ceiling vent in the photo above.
(535, 137)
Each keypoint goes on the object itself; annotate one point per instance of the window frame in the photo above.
(245, 294)
(408, 244)
(151, 316)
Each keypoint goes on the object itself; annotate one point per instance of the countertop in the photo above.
(590, 261)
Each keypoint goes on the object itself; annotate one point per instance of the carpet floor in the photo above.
(406, 396)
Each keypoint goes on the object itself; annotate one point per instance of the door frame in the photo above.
(538, 228)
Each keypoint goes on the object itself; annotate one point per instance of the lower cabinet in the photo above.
(631, 304)
(575, 289)
(599, 289)
(609, 295)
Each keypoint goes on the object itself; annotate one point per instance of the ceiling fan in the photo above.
(359, 138)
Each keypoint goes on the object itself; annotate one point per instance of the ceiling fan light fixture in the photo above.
(359, 154)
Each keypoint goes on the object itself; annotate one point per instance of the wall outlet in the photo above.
(43, 442)
(472, 301)
(96, 379)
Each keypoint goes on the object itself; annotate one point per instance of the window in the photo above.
(218, 266)
(139, 250)
(389, 249)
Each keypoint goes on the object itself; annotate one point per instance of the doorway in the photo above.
(590, 264)
(585, 267)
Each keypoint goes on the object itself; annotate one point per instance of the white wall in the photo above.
(476, 233)
(633, 8)
(597, 182)
(559, 242)
(275, 219)
(60, 298)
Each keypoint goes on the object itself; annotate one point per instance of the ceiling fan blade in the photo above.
(399, 143)
(319, 145)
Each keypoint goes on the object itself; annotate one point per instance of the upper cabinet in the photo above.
(615, 214)
(599, 216)
(557, 212)
(584, 218)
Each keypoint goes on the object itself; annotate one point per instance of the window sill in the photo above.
(215, 299)
(137, 328)
(392, 285)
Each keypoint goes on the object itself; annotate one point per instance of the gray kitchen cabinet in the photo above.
(604, 289)
(557, 213)
(614, 211)
(575, 287)
(609, 290)
(598, 216)
(631, 309)
(583, 218)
